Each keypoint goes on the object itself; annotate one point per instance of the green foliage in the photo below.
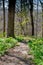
(26, 20)
(4, 34)
(1, 35)
(7, 43)
(36, 46)
(24, 16)
(20, 38)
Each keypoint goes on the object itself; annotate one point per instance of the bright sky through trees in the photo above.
(34, 4)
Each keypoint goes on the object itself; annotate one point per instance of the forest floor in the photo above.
(17, 56)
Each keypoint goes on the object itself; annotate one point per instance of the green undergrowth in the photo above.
(20, 38)
(23, 38)
(36, 46)
(6, 43)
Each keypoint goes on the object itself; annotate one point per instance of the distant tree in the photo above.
(31, 15)
(0, 3)
(23, 14)
(11, 15)
(4, 18)
(37, 16)
(42, 15)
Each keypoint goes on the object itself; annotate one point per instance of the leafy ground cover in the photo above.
(6, 43)
(36, 46)
(23, 38)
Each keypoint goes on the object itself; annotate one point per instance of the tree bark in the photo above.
(42, 21)
(11, 14)
(42, 15)
(3, 18)
(31, 15)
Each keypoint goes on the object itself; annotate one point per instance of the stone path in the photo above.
(17, 56)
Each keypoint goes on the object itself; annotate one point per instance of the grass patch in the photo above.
(6, 43)
(36, 46)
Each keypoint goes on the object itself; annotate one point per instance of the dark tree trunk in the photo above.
(3, 18)
(31, 14)
(11, 14)
(42, 21)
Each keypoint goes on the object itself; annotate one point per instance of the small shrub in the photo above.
(7, 43)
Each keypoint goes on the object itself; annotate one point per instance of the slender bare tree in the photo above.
(4, 18)
(31, 14)
(42, 15)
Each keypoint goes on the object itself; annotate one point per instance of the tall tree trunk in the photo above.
(42, 21)
(37, 18)
(3, 18)
(42, 15)
(11, 14)
(31, 14)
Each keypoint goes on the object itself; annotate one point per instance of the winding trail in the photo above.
(17, 56)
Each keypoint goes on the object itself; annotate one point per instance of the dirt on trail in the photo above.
(17, 56)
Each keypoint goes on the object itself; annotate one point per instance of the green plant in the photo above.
(20, 38)
(6, 43)
(37, 50)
